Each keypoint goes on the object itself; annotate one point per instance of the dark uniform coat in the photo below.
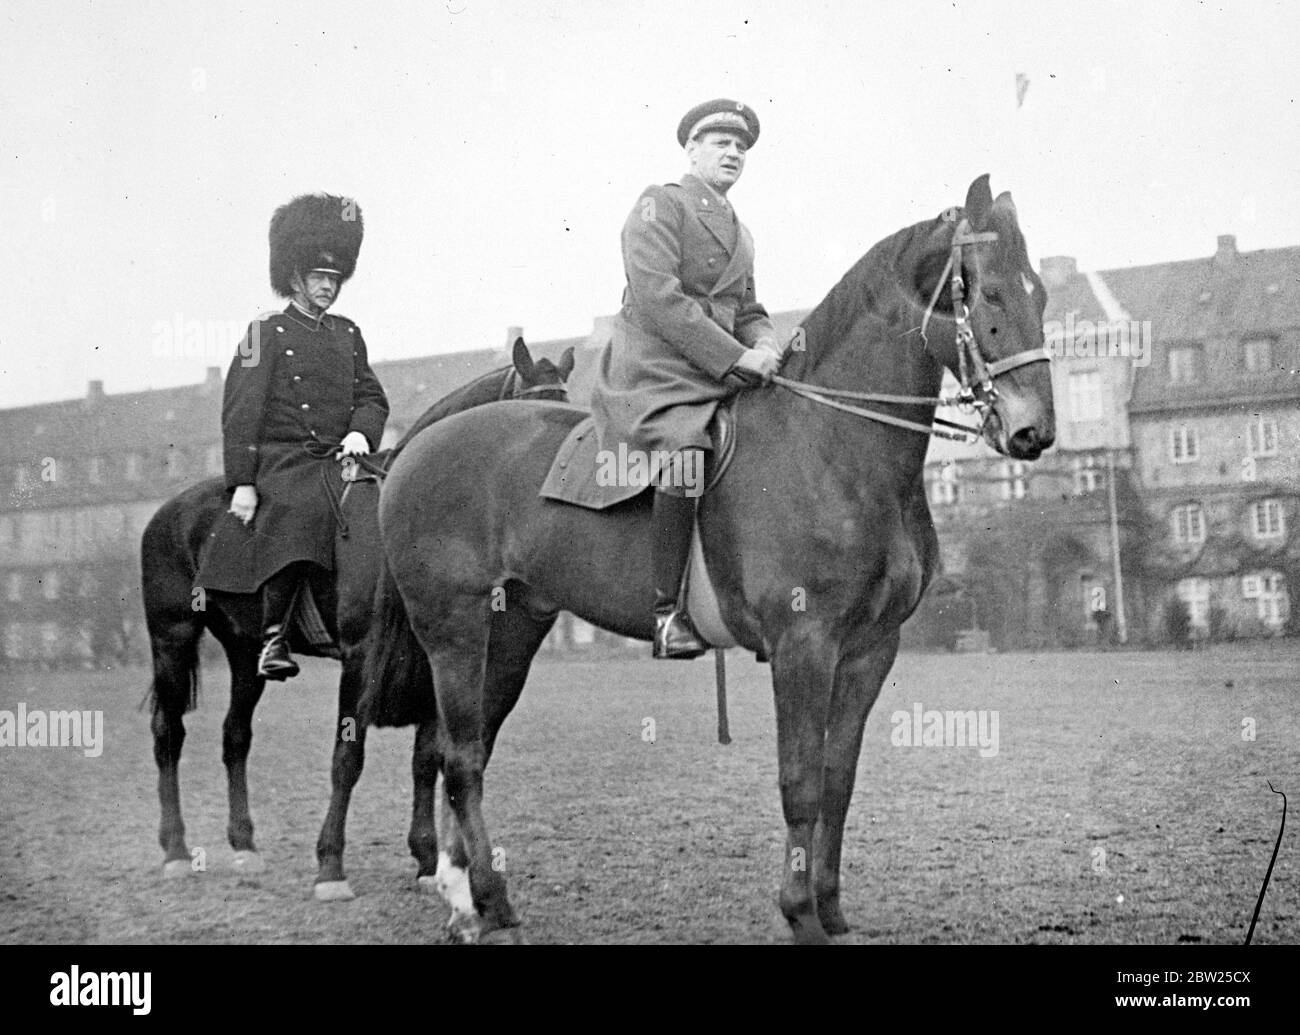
(295, 387)
(689, 312)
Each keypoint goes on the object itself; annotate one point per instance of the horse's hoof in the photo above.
(832, 918)
(504, 936)
(465, 928)
(333, 891)
(809, 931)
(175, 869)
(248, 862)
(427, 885)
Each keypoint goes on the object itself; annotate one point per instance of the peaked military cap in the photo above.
(719, 115)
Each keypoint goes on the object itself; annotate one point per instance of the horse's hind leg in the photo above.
(513, 641)
(175, 660)
(237, 737)
(345, 771)
(857, 685)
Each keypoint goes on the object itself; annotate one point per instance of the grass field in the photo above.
(1124, 805)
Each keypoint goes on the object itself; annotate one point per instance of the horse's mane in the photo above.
(449, 404)
(870, 283)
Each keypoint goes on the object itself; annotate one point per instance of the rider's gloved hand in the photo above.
(757, 364)
(244, 502)
(354, 444)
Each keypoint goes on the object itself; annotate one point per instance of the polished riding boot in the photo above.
(674, 523)
(279, 594)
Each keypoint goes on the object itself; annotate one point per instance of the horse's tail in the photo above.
(397, 680)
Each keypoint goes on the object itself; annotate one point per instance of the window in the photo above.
(1189, 523)
(1272, 601)
(95, 470)
(1195, 593)
(215, 462)
(1087, 475)
(1258, 354)
(1084, 392)
(133, 466)
(1184, 444)
(1013, 480)
(7, 526)
(1185, 364)
(50, 585)
(14, 587)
(175, 463)
(1261, 435)
(1266, 519)
(945, 489)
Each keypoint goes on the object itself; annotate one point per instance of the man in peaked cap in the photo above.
(300, 396)
(690, 334)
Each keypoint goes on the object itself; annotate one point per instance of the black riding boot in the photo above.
(279, 594)
(674, 522)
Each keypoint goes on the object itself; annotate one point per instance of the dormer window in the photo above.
(1185, 364)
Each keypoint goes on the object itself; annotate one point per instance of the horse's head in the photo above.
(998, 317)
(541, 379)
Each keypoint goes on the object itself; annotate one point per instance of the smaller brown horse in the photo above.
(177, 618)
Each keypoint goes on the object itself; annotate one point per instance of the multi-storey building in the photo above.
(1175, 476)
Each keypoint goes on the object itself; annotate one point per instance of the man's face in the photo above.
(717, 158)
(316, 290)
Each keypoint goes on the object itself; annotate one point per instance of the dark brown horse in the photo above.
(818, 540)
(177, 616)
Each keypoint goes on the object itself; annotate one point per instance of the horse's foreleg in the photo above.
(236, 738)
(802, 673)
(857, 685)
(345, 771)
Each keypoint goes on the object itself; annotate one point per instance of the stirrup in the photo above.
(275, 662)
(676, 637)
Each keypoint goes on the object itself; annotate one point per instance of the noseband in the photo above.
(977, 375)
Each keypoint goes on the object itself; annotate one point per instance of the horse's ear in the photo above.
(979, 199)
(1003, 200)
(565, 366)
(523, 360)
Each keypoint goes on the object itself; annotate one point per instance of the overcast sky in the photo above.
(496, 148)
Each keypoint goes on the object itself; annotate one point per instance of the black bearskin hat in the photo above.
(314, 231)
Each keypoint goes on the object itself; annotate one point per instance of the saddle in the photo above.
(579, 474)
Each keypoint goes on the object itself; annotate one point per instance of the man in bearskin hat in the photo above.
(690, 334)
(300, 397)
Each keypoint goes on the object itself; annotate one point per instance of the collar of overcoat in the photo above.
(715, 212)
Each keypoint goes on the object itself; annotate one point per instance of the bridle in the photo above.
(510, 389)
(976, 375)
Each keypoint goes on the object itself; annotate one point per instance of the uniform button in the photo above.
(352, 330)
(351, 407)
(356, 380)
(713, 262)
(313, 434)
(288, 352)
(279, 328)
(354, 354)
(306, 406)
(297, 377)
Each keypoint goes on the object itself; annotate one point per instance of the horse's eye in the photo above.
(993, 297)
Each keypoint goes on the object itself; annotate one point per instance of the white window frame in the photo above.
(1012, 485)
(1195, 593)
(1184, 444)
(1261, 436)
(1087, 475)
(1187, 511)
(1179, 371)
(946, 489)
(1267, 509)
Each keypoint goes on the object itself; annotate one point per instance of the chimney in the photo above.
(211, 381)
(1057, 269)
(1226, 253)
(94, 392)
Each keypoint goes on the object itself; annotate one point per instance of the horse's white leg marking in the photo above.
(453, 886)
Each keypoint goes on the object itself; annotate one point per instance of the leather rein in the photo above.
(977, 375)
